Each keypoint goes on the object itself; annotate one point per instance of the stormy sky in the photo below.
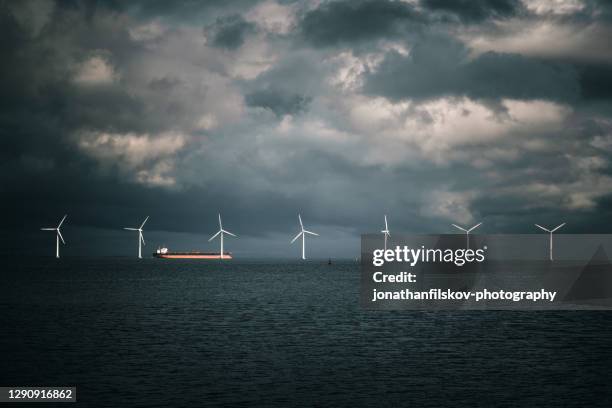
(431, 111)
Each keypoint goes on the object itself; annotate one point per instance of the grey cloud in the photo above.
(474, 11)
(595, 81)
(243, 163)
(229, 32)
(277, 101)
(593, 10)
(164, 84)
(440, 66)
(180, 11)
(346, 22)
(287, 88)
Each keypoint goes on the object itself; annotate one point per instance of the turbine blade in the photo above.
(62, 221)
(296, 237)
(557, 227)
(142, 238)
(47, 229)
(474, 227)
(300, 218)
(386, 226)
(228, 233)
(220, 225)
(60, 235)
(311, 233)
(144, 222)
(130, 229)
(456, 226)
(387, 233)
(214, 236)
(541, 227)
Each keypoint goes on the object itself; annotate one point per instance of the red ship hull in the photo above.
(193, 255)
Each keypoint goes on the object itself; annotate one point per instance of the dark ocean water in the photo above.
(180, 333)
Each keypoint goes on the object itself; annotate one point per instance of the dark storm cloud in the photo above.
(337, 158)
(164, 84)
(440, 66)
(278, 101)
(230, 32)
(285, 88)
(346, 22)
(33, 91)
(43, 172)
(600, 10)
(177, 10)
(42, 169)
(474, 11)
(595, 81)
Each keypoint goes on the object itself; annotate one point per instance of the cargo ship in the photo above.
(164, 253)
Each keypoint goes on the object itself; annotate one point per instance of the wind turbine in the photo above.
(551, 238)
(221, 231)
(303, 233)
(386, 232)
(467, 232)
(141, 240)
(58, 235)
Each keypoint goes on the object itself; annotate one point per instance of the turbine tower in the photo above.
(58, 235)
(221, 232)
(303, 233)
(386, 232)
(141, 240)
(550, 254)
(467, 232)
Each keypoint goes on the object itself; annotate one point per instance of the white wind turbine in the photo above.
(58, 235)
(386, 232)
(141, 240)
(221, 232)
(303, 233)
(551, 237)
(467, 232)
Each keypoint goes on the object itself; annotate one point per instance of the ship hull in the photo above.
(186, 255)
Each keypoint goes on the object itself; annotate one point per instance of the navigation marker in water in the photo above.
(551, 238)
(303, 233)
(467, 232)
(58, 235)
(221, 231)
(386, 232)
(141, 240)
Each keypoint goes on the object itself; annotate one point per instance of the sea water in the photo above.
(151, 332)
